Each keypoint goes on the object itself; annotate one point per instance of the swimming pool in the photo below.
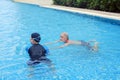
(18, 21)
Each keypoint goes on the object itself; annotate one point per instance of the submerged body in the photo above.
(65, 38)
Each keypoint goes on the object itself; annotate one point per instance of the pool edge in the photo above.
(116, 20)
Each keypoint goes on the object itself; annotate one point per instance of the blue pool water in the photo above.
(18, 21)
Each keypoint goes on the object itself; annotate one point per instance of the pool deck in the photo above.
(49, 4)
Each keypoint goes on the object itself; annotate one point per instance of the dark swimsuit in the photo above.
(37, 54)
(83, 43)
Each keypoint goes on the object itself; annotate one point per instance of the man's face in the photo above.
(63, 38)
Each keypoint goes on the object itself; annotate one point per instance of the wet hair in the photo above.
(36, 37)
(66, 34)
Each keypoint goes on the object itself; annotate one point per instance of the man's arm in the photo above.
(62, 46)
(51, 42)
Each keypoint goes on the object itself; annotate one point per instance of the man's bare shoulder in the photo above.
(74, 42)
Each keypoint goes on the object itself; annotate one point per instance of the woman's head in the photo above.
(35, 38)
